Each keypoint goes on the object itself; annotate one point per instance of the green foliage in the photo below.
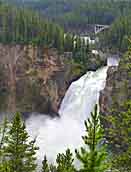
(3, 134)
(82, 52)
(5, 167)
(120, 128)
(16, 153)
(3, 137)
(116, 38)
(122, 162)
(19, 151)
(74, 15)
(53, 168)
(27, 27)
(45, 166)
(22, 26)
(93, 155)
(77, 13)
(125, 62)
(119, 137)
(65, 162)
(69, 42)
(77, 69)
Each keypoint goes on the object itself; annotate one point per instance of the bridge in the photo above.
(99, 28)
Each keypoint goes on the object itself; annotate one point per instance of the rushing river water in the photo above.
(54, 136)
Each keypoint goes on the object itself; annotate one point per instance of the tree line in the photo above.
(76, 12)
(73, 15)
(26, 26)
(22, 26)
(117, 37)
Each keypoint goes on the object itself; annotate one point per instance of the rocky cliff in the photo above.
(118, 86)
(33, 79)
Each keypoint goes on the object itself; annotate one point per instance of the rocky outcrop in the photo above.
(118, 87)
(32, 79)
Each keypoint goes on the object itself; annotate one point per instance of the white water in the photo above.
(56, 135)
(113, 61)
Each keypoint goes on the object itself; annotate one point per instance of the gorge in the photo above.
(65, 86)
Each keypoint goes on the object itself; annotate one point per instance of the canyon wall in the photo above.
(118, 86)
(33, 78)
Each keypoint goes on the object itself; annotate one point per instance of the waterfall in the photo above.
(54, 136)
(83, 94)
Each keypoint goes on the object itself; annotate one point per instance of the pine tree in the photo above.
(65, 162)
(3, 137)
(20, 152)
(53, 168)
(119, 137)
(93, 155)
(45, 166)
(68, 42)
(4, 165)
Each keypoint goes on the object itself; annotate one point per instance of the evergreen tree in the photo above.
(93, 155)
(77, 44)
(45, 166)
(68, 42)
(3, 134)
(65, 162)
(53, 168)
(4, 165)
(119, 137)
(20, 152)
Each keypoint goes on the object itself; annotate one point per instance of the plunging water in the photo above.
(54, 136)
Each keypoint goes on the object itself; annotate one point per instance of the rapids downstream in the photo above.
(54, 136)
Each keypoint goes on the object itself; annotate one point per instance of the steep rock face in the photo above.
(118, 86)
(32, 79)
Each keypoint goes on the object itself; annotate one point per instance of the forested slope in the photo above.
(117, 37)
(75, 12)
(26, 26)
